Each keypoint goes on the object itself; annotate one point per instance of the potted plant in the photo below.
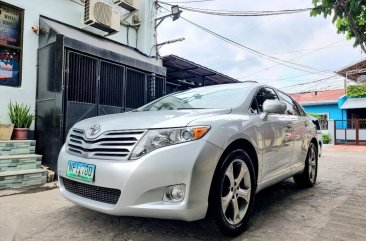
(5, 131)
(21, 116)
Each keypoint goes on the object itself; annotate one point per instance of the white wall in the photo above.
(68, 12)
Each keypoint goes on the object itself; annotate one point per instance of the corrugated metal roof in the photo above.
(354, 103)
(191, 73)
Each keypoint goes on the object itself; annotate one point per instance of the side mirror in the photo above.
(273, 107)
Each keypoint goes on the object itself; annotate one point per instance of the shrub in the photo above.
(326, 138)
(356, 90)
(314, 115)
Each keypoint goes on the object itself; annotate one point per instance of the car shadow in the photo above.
(271, 201)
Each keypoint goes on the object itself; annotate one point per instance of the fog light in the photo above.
(174, 193)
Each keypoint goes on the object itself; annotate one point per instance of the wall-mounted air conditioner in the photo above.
(102, 16)
(130, 5)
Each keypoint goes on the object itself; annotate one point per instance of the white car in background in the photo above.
(204, 152)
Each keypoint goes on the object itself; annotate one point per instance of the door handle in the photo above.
(288, 126)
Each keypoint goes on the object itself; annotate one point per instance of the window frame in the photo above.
(294, 103)
(255, 98)
(18, 48)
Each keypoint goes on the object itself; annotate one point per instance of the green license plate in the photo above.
(81, 171)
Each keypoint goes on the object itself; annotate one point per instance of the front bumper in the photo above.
(142, 182)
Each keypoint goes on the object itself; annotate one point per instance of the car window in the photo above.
(291, 107)
(301, 110)
(263, 95)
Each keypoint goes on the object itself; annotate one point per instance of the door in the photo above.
(299, 133)
(276, 140)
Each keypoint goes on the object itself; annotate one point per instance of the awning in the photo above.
(187, 73)
(354, 103)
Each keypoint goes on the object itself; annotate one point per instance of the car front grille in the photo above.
(100, 194)
(109, 145)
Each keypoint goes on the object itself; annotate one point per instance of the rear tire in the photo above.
(232, 192)
(308, 177)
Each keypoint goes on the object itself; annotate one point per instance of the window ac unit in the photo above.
(130, 5)
(101, 16)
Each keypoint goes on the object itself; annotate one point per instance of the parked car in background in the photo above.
(204, 152)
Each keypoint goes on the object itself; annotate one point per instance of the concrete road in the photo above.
(333, 210)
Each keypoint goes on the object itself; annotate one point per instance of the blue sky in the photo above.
(311, 41)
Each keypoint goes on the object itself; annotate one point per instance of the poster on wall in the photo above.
(9, 26)
(9, 66)
(10, 45)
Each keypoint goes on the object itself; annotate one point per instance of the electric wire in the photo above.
(289, 64)
(233, 13)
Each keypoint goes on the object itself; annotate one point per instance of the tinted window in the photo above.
(291, 108)
(253, 109)
(263, 95)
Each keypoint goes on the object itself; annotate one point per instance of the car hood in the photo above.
(149, 119)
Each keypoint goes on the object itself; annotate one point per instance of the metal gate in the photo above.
(98, 87)
(351, 132)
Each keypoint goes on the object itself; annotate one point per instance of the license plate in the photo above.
(81, 171)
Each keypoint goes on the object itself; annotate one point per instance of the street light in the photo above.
(175, 13)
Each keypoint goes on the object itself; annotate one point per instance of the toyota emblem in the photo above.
(95, 129)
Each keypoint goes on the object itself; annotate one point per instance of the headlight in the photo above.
(158, 138)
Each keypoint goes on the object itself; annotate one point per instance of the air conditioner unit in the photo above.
(101, 16)
(130, 5)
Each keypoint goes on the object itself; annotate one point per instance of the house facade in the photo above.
(74, 59)
(344, 117)
(326, 104)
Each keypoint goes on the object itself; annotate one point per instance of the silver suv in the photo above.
(200, 153)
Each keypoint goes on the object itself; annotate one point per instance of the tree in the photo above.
(349, 17)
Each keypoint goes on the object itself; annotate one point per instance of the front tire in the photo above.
(232, 192)
(308, 177)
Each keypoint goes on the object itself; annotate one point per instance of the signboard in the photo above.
(10, 45)
(9, 26)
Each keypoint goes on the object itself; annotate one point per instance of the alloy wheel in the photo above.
(312, 165)
(236, 191)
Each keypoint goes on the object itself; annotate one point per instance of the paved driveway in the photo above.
(333, 210)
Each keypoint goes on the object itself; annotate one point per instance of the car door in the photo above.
(298, 135)
(275, 133)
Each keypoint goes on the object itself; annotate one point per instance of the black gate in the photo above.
(99, 87)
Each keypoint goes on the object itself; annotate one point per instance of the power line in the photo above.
(289, 64)
(310, 82)
(233, 13)
(300, 56)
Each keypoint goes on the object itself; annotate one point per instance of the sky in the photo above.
(299, 38)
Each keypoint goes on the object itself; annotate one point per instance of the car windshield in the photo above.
(213, 97)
